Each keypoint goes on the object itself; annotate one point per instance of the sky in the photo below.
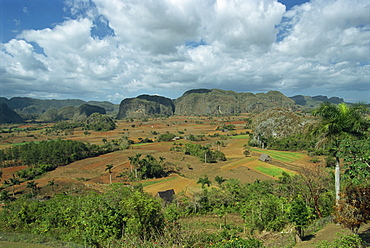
(111, 50)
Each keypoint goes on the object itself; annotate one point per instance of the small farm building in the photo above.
(265, 158)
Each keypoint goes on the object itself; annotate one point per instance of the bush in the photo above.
(344, 241)
(166, 137)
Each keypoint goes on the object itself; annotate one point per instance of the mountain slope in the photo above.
(215, 101)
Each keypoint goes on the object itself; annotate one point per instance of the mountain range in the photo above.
(192, 102)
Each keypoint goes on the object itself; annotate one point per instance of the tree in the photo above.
(314, 181)
(4, 195)
(1, 174)
(52, 184)
(134, 161)
(204, 180)
(109, 169)
(353, 208)
(220, 180)
(336, 123)
(33, 186)
(246, 150)
(356, 158)
(299, 215)
(14, 181)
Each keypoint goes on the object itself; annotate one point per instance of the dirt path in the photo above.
(330, 232)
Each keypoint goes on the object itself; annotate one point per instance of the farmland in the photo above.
(89, 173)
(184, 172)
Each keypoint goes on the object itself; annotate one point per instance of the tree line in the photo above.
(52, 152)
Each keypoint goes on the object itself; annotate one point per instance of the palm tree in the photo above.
(336, 123)
(109, 169)
(52, 184)
(134, 161)
(33, 186)
(220, 180)
(161, 159)
(204, 180)
(14, 181)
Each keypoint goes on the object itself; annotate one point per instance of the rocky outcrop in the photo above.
(144, 106)
(210, 102)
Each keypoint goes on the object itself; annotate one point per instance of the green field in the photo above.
(281, 155)
(271, 170)
(244, 136)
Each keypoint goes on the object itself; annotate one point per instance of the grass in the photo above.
(243, 136)
(272, 171)
(27, 240)
(4, 244)
(281, 155)
(147, 183)
(269, 169)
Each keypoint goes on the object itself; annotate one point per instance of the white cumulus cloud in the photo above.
(169, 46)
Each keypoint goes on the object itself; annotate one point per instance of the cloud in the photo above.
(169, 46)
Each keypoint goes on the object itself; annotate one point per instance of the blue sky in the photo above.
(111, 50)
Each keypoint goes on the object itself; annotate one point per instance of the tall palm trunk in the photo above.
(337, 179)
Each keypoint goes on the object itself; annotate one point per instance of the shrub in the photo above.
(344, 241)
(166, 137)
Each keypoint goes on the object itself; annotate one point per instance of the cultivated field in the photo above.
(90, 174)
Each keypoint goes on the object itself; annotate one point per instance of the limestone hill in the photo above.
(7, 115)
(210, 102)
(145, 105)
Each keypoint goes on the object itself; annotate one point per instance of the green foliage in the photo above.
(264, 212)
(67, 125)
(45, 156)
(299, 214)
(148, 167)
(32, 172)
(203, 152)
(4, 196)
(204, 181)
(100, 122)
(229, 127)
(344, 241)
(356, 156)
(166, 137)
(220, 180)
(90, 219)
(53, 152)
(96, 122)
(293, 142)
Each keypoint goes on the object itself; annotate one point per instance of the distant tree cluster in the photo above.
(166, 137)
(96, 122)
(100, 122)
(52, 152)
(147, 167)
(229, 127)
(204, 153)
